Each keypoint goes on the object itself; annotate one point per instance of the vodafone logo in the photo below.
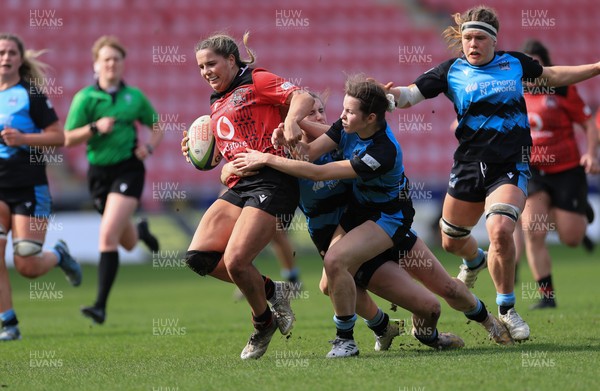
(225, 129)
(471, 87)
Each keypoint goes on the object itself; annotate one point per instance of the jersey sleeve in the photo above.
(531, 68)
(576, 109)
(41, 111)
(434, 81)
(335, 132)
(374, 161)
(78, 115)
(273, 88)
(147, 115)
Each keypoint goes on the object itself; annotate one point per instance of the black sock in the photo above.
(263, 320)
(505, 308)
(480, 315)
(427, 339)
(546, 288)
(269, 287)
(107, 272)
(380, 328)
(10, 322)
(345, 334)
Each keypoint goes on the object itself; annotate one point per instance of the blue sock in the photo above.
(376, 320)
(58, 256)
(505, 299)
(7, 315)
(290, 274)
(476, 262)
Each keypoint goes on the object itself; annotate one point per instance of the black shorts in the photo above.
(395, 223)
(126, 178)
(568, 190)
(474, 181)
(322, 238)
(32, 201)
(270, 190)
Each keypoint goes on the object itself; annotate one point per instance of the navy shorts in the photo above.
(568, 190)
(474, 181)
(126, 178)
(32, 201)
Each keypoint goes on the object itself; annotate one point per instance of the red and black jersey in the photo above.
(246, 115)
(551, 118)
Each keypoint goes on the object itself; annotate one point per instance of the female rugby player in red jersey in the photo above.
(246, 105)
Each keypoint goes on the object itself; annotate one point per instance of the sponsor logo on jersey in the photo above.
(262, 197)
(510, 175)
(504, 66)
(471, 87)
(371, 162)
(286, 86)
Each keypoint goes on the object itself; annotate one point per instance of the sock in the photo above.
(546, 288)
(427, 339)
(505, 301)
(479, 314)
(269, 287)
(263, 320)
(290, 275)
(345, 325)
(476, 262)
(8, 318)
(379, 323)
(58, 256)
(107, 272)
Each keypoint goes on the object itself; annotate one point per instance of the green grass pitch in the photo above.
(168, 329)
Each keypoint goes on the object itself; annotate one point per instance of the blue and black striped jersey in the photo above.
(489, 103)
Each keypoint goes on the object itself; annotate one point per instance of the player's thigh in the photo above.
(215, 227)
(29, 227)
(537, 208)
(5, 216)
(117, 214)
(461, 213)
(253, 230)
(571, 226)
(358, 246)
(394, 284)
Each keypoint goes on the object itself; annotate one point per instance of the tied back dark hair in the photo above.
(370, 94)
(535, 47)
(224, 45)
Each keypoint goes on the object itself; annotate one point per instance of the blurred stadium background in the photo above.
(311, 43)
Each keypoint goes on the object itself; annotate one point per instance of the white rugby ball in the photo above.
(202, 151)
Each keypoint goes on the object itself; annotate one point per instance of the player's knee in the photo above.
(26, 247)
(572, 239)
(454, 236)
(333, 264)
(502, 209)
(202, 262)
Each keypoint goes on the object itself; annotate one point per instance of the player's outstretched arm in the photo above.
(253, 160)
(564, 75)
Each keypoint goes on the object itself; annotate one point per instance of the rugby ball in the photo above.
(202, 151)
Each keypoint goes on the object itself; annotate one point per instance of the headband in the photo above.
(480, 26)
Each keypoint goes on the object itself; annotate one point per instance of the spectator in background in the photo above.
(27, 124)
(104, 116)
(557, 190)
